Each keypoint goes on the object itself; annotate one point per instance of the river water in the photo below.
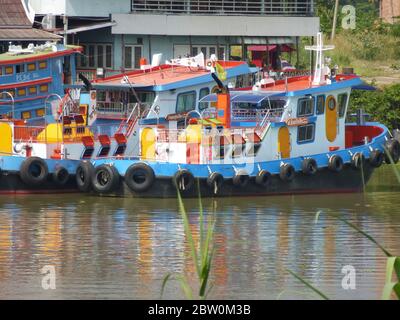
(108, 248)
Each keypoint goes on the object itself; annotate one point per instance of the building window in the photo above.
(305, 133)
(44, 88)
(9, 70)
(132, 55)
(32, 90)
(342, 101)
(31, 66)
(96, 55)
(40, 112)
(306, 107)
(21, 92)
(19, 68)
(186, 102)
(320, 105)
(43, 65)
(203, 93)
(26, 115)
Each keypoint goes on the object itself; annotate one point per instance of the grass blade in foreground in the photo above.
(318, 292)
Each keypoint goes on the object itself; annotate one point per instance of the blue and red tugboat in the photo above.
(284, 137)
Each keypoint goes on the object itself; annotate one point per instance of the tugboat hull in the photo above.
(324, 181)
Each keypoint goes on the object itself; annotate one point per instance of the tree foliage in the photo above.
(383, 105)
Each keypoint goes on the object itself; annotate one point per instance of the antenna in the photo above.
(319, 74)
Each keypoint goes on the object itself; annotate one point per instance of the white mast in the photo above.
(319, 74)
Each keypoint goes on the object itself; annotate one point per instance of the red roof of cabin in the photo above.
(163, 74)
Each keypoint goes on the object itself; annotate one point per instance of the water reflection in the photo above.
(122, 248)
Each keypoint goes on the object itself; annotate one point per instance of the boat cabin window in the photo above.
(26, 115)
(32, 90)
(19, 68)
(342, 101)
(42, 65)
(21, 92)
(203, 92)
(305, 133)
(186, 102)
(9, 70)
(305, 107)
(31, 66)
(44, 88)
(320, 105)
(145, 97)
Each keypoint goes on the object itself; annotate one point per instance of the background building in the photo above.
(390, 10)
(116, 34)
(16, 20)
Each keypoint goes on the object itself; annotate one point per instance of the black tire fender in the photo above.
(139, 177)
(263, 178)
(358, 160)
(105, 178)
(376, 158)
(287, 172)
(83, 176)
(215, 181)
(309, 166)
(241, 179)
(34, 171)
(335, 163)
(60, 176)
(183, 180)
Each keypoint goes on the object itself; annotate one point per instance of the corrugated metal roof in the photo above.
(27, 34)
(12, 14)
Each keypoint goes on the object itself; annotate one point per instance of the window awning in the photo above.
(88, 28)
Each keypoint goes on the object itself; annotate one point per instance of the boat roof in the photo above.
(296, 86)
(12, 58)
(168, 77)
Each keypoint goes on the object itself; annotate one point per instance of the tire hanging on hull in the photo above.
(183, 180)
(241, 179)
(215, 181)
(83, 176)
(309, 167)
(358, 160)
(61, 176)
(263, 178)
(33, 171)
(393, 147)
(335, 164)
(287, 172)
(376, 158)
(105, 179)
(139, 177)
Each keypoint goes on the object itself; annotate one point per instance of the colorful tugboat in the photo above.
(287, 137)
(31, 89)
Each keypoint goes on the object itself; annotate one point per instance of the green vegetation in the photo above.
(201, 254)
(383, 104)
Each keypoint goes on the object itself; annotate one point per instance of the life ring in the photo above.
(83, 176)
(309, 166)
(287, 172)
(335, 163)
(18, 147)
(241, 179)
(263, 178)
(376, 158)
(139, 177)
(209, 63)
(105, 179)
(358, 160)
(34, 171)
(393, 147)
(183, 180)
(60, 176)
(215, 181)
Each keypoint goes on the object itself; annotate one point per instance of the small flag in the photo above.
(221, 73)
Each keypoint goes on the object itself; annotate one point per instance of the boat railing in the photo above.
(112, 109)
(29, 134)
